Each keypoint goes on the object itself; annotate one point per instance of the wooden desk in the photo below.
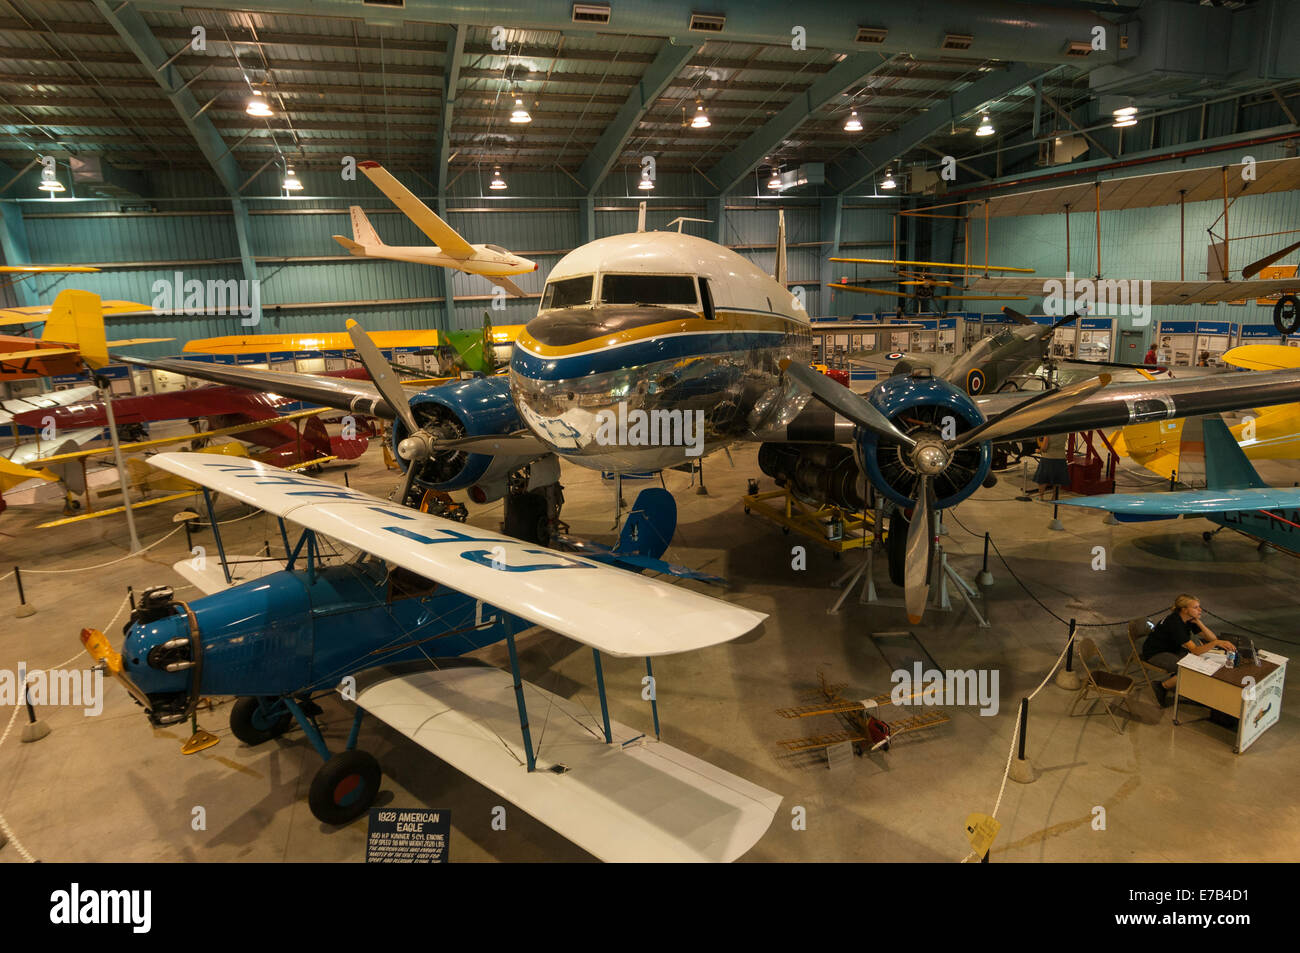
(1227, 691)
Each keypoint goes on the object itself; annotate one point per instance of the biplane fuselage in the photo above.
(664, 324)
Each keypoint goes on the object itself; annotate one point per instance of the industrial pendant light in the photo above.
(291, 182)
(853, 123)
(1124, 116)
(888, 182)
(497, 184)
(646, 184)
(774, 183)
(520, 115)
(986, 127)
(257, 106)
(49, 183)
(701, 120)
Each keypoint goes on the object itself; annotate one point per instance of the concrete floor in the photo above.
(111, 788)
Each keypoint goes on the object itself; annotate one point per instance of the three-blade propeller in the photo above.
(930, 454)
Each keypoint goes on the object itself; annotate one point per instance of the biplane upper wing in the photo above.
(896, 262)
(616, 612)
(34, 314)
(327, 341)
(1162, 292)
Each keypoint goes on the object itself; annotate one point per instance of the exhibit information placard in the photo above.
(408, 836)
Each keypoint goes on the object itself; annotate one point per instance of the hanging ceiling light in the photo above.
(291, 182)
(646, 184)
(774, 183)
(497, 184)
(49, 183)
(1125, 116)
(520, 115)
(986, 127)
(257, 106)
(888, 181)
(701, 120)
(853, 123)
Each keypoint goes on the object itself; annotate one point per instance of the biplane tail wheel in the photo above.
(253, 722)
(344, 787)
(1286, 314)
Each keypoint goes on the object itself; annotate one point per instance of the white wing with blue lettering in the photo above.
(618, 612)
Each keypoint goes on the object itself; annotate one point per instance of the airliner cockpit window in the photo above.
(567, 292)
(647, 289)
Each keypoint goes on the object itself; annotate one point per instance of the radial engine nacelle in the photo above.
(923, 406)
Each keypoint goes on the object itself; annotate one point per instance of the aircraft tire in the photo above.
(345, 787)
(249, 726)
(1286, 314)
(896, 547)
(526, 517)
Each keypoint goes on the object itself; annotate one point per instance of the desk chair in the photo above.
(1101, 684)
(1138, 629)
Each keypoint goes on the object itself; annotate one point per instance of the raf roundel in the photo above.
(975, 382)
(895, 356)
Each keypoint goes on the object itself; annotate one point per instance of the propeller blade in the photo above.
(376, 366)
(919, 553)
(407, 480)
(520, 443)
(1255, 267)
(1033, 411)
(846, 403)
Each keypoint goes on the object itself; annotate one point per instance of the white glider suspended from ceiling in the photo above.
(450, 250)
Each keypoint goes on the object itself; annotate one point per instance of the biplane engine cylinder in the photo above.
(474, 408)
(922, 406)
(818, 474)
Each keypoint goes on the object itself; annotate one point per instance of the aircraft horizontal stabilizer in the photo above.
(684, 809)
(616, 612)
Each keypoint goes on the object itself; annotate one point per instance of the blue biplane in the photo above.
(423, 589)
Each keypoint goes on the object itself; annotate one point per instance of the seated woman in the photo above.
(1180, 632)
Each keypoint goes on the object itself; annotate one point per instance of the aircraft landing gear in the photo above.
(345, 787)
(256, 720)
(348, 783)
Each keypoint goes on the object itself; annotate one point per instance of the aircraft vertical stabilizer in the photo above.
(362, 231)
(1226, 466)
(780, 247)
(77, 318)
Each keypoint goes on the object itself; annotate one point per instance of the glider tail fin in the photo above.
(363, 233)
(1226, 466)
(76, 317)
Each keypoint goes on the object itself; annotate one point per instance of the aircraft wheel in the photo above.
(250, 725)
(747, 511)
(344, 787)
(1286, 314)
(1207, 536)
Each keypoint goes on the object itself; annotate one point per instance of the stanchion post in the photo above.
(1022, 769)
(985, 578)
(1067, 677)
(34, 730)
(1056, 518)
(23, 610)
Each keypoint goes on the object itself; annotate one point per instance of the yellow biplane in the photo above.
(929, 285)
(860, 725)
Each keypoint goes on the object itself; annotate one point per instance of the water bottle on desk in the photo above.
(1232, 660)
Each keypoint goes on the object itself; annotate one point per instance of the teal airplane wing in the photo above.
(1193, 502)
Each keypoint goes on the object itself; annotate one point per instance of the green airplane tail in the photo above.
(1226, 466)
(475, 347)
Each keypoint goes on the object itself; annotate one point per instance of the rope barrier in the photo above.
(111, 561)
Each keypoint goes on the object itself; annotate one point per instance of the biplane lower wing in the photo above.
(611, 610)
(634, 800)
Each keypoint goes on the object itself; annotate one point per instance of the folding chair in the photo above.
(1138, 629)
(1101, 684)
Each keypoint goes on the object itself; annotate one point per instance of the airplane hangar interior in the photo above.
(649, 431)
